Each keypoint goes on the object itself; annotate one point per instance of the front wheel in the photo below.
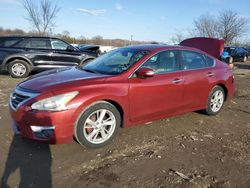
(98, 125)
(19, 69)
(215, 101)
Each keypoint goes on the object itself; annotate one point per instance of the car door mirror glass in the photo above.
(145, 73)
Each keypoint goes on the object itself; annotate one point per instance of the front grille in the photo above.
(19, 96)
(16, 99)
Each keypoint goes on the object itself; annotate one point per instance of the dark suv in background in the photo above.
(20, 55)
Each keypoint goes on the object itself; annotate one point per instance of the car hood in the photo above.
(58, 78)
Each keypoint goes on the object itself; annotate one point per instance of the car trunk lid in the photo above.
(212, 46)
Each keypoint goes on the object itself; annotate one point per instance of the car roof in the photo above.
(157, 47)
(42, 37)
(151, 47)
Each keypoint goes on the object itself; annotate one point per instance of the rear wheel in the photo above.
(98, 125)
(19, 69)
(244, 59)
(215, 101)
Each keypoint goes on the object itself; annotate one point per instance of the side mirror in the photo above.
(145, 73)
(70, 48)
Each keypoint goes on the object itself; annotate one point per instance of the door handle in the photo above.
(177, 81)
(210, 74)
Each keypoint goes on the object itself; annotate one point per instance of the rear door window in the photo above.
(192, 60)
(38, 43)
(210, 62)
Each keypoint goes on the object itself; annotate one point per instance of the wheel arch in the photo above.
(223, 86)
(119, 108)
(86, 60)
(90, 103)
(13, 58)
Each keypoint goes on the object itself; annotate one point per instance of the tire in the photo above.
(230, 60)
(18, 69)
(215, 101)
(95, 133)
(244, 59)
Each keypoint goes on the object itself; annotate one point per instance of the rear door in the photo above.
(199, 75)
(39, 50)
(161, 94)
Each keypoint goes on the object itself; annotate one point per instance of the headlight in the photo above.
(56, 103)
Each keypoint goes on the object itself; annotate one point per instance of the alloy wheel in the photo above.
(217, 101)
(99, 126)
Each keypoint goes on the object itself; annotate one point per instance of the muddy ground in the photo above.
(192, 150)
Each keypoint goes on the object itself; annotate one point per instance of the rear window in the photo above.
(8, 42)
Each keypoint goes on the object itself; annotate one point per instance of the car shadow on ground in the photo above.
(32, 159)
(242, 66)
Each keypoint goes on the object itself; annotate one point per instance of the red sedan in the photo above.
(125, 87)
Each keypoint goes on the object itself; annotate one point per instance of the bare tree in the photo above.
(97, 40)
(206, 26)
(41, 14)
(177, 38)
(231, 26)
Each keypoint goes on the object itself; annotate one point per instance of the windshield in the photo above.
(116, 61)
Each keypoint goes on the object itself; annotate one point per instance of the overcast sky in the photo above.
(146, 20)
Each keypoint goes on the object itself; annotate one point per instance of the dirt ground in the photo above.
(192, 150)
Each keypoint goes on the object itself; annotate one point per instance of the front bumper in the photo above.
(48, 127)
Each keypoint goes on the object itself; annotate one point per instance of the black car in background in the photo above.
(237, 53)
(94, 50)
(20, 55)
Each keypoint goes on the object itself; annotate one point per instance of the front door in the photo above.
(62, 56)
(161, 94)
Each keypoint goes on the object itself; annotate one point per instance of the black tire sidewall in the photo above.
(79, 124)
(208, 110)
(24, 63)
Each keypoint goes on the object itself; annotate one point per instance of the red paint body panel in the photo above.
(141, 100)
(143, 93)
